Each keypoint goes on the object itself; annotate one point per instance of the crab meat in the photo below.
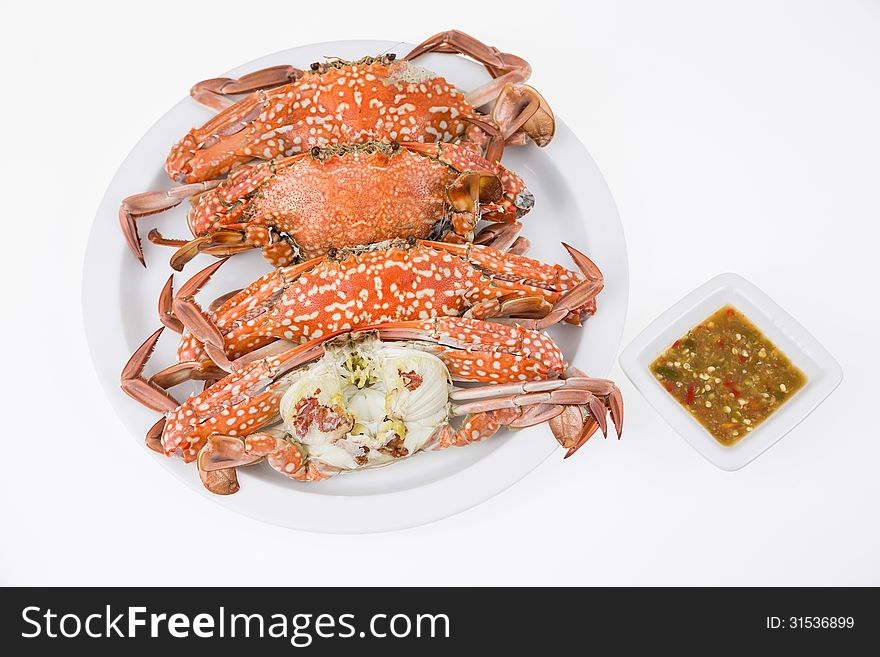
(366, 404)
(354, 400)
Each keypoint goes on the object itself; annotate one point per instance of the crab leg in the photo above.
(157, 238)
(503, 389)
(575, 390)
(140, 205)
(492, 89)
(457, 42)
(215, 92)
(184, 310)
(521, 112)
(560, 401)
(515, 401)
(519, 109)
(480, 426)
(571, 429)
(520, 246)
(537, 414)
(480, 351)
(242, 308)
(223, 298)
(147, 203)
(222, 451)
(166, 314)
(603, 388)
(499, 236)
(221, 243)
(485, 424)
(144, 390)
(187, 371)
(504, 237)
(221, 454)
(202, 329)
(493, 148)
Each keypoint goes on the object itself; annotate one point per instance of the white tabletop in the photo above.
(739, 137)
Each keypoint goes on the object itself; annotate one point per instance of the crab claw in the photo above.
(522, 112)
(154, 436)
(220, 482)
(589, 428)
(580, 294)
(566, 426)
(615, 404)
(604, 389)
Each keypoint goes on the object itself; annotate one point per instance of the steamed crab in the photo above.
(356, 400)
(362, 286)
(299, 207)
(288, 110)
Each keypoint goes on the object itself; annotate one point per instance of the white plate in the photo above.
(822, 370)
(119, 304)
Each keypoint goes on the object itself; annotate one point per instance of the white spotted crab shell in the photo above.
(366, 404)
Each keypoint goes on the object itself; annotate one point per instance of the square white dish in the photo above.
(823, 372)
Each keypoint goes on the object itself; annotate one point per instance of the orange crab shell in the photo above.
(363, 287)
(374, 99)
(350, 195)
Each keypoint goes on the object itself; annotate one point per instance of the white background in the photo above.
(740, 136)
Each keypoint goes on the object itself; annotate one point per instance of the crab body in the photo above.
(302, 206)
(394, 281)
(288, 110)
(373, 99)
